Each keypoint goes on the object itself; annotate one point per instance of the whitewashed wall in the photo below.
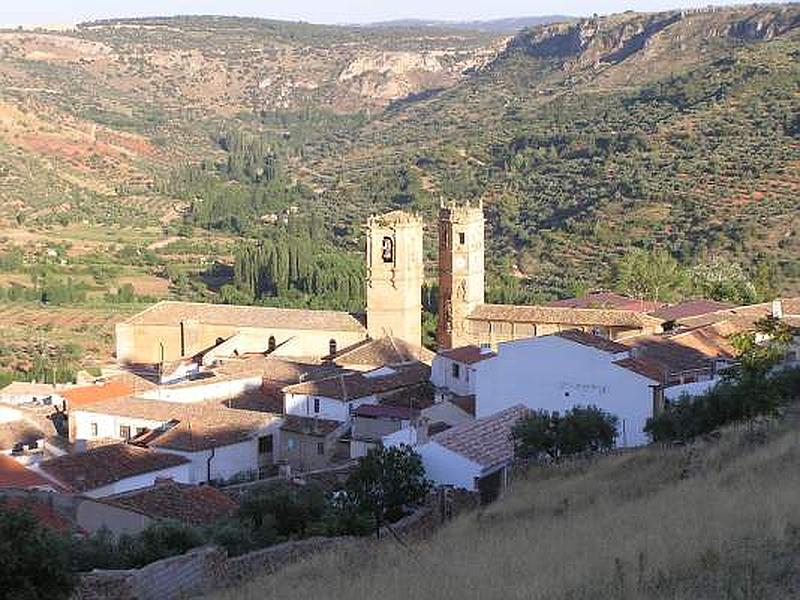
(202, 392)
(179, 474)
(442, 376)
(445, 467)
(107, 425)
(228, 461)
(329, 408)
(552, 373)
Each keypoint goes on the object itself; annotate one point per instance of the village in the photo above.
(205, 400)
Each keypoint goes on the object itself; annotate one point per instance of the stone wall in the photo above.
(204, 569)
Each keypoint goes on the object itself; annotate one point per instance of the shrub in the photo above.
(581, 429)
(386, 482)
(34, 561)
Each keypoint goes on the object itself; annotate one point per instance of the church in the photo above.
(169, 331)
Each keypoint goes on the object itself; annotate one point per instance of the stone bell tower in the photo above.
(395, 276)
(461, 284)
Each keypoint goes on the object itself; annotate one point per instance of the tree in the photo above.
(34, 561)
(758, 351)
(581, 429)
(723, 280)
(653, 275)
(386, 482)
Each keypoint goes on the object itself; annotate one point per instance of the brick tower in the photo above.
(461, 285)
(394, 276)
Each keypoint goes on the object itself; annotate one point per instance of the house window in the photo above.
(141, 431)
(291, 444)
(93, 429)
(125, 432)
(316, 405)
(456, 370)
(265, 445)
(320, 449)
(387, 250)
(332, 347)
(462, 238)
(271, 344)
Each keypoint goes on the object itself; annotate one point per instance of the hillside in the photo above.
(121, 139)
(584, 139)
(717, 519)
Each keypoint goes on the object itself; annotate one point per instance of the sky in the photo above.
(50, 12)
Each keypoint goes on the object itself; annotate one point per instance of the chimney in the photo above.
(777, 308)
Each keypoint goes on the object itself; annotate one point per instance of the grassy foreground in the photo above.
(716, 519)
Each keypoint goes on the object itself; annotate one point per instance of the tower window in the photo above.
(462, 237)
(387, 250)
(271, 343)
(332, 347)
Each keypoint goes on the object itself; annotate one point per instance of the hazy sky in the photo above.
(321, 11)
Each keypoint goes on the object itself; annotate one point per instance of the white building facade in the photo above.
(554, 373)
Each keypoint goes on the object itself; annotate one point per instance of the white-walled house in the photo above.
(474, 456)
(557, 372)
(454, 372)
(219, 443)
(335, 398)
(113, 469)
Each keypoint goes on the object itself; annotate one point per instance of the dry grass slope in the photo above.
(713, 520)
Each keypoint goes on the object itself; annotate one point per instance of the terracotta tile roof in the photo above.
(593, 341)
(485, 441)
(690, 308)
(707, 340)
(189, 504)
(467, 355)
(106, 465)
(13, 474)
(608, 300)
(42, 512)
(91, 394)
(668, 353)
(200, 425)
(351, 386)
(383, 351)
(645, 368)
(309, 425)
(287, 372)
(562, 316)
(170, 312)
(385, 411)
(743, 317)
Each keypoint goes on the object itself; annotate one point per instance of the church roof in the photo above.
(561, 316)
(608, 300)
(170, 312)
(384, 351)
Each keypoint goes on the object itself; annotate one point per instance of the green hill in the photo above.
(675, 130)
(717, 519)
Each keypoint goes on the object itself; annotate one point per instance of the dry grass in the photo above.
(714, 520)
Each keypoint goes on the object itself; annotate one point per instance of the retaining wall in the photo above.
(202, 570)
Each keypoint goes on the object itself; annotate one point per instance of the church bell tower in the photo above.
(461, 271)
(395, 276)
